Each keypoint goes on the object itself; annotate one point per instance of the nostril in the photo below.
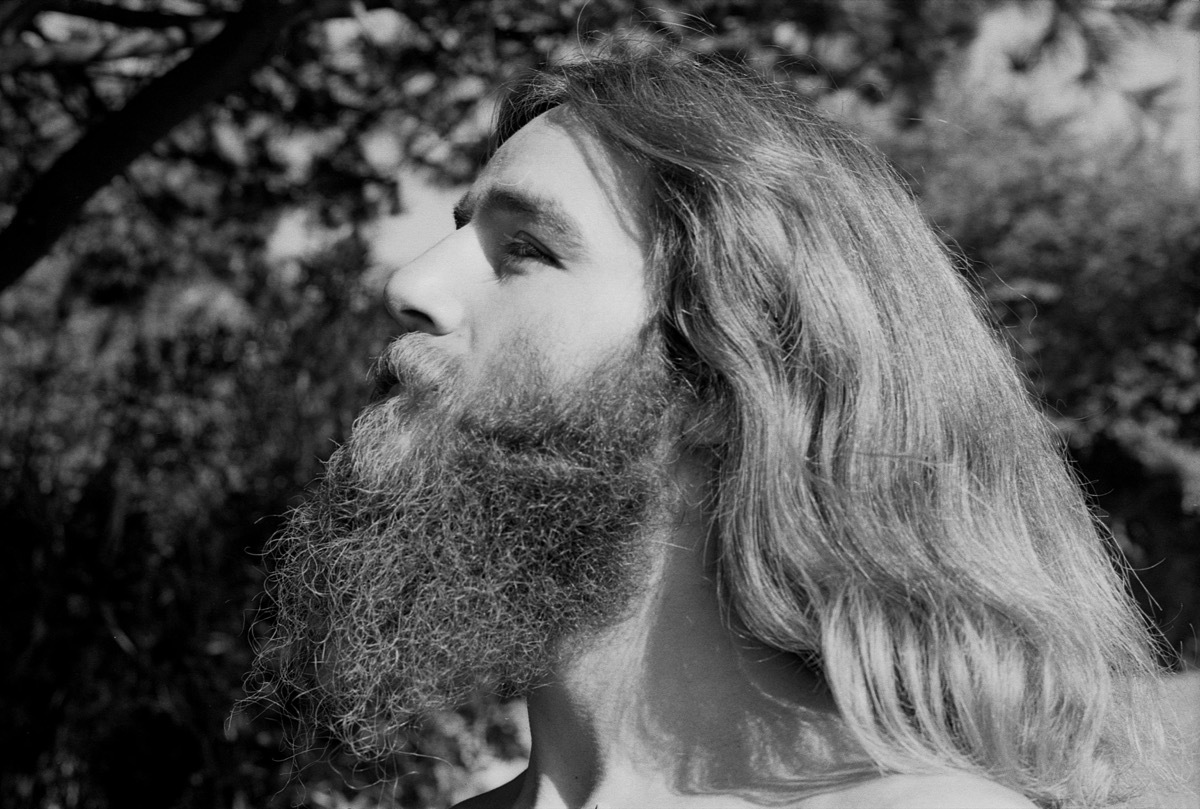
(416, 320)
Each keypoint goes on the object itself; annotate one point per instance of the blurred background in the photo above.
(199, 202)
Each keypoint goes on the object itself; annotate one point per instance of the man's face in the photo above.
(495, 509)
(548, 250)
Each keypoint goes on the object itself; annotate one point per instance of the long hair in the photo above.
(890, 501)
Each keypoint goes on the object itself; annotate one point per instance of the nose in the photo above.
(430, 293)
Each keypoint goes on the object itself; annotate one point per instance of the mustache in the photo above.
(411, 364)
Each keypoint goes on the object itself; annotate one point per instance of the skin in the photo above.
(671, 707)
(545, 250)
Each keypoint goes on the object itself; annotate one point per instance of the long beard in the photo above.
(462, 542)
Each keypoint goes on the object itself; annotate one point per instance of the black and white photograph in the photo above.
(600, 404)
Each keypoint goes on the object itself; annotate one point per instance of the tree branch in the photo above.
(22, 56)
(127, 17)
(211, 72)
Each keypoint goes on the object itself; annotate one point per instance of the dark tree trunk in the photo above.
(212, 71)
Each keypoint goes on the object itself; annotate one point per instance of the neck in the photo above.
(672, 707)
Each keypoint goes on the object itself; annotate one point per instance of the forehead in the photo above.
(555, 159)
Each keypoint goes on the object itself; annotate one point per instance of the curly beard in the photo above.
(463, 541)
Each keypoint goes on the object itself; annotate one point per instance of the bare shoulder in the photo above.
(930, 792)
(955, 792)
(504, 797)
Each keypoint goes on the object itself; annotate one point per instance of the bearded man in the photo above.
(696, 440)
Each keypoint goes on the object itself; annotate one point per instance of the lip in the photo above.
(410, 363)
(385, 387)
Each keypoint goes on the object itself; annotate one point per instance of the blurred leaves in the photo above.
(1092, 266)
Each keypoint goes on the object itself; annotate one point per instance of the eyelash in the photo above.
(514, 251)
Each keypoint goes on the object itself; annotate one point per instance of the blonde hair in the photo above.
(890, 501)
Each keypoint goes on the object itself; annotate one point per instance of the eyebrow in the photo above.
(547, 212)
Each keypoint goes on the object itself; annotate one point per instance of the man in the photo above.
(695, 439)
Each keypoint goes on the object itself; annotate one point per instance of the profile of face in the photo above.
(548, 252)
(493, 510)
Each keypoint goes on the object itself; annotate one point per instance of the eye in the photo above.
(519, 253)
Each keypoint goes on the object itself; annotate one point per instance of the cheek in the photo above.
(586, 336)
(570, 320)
